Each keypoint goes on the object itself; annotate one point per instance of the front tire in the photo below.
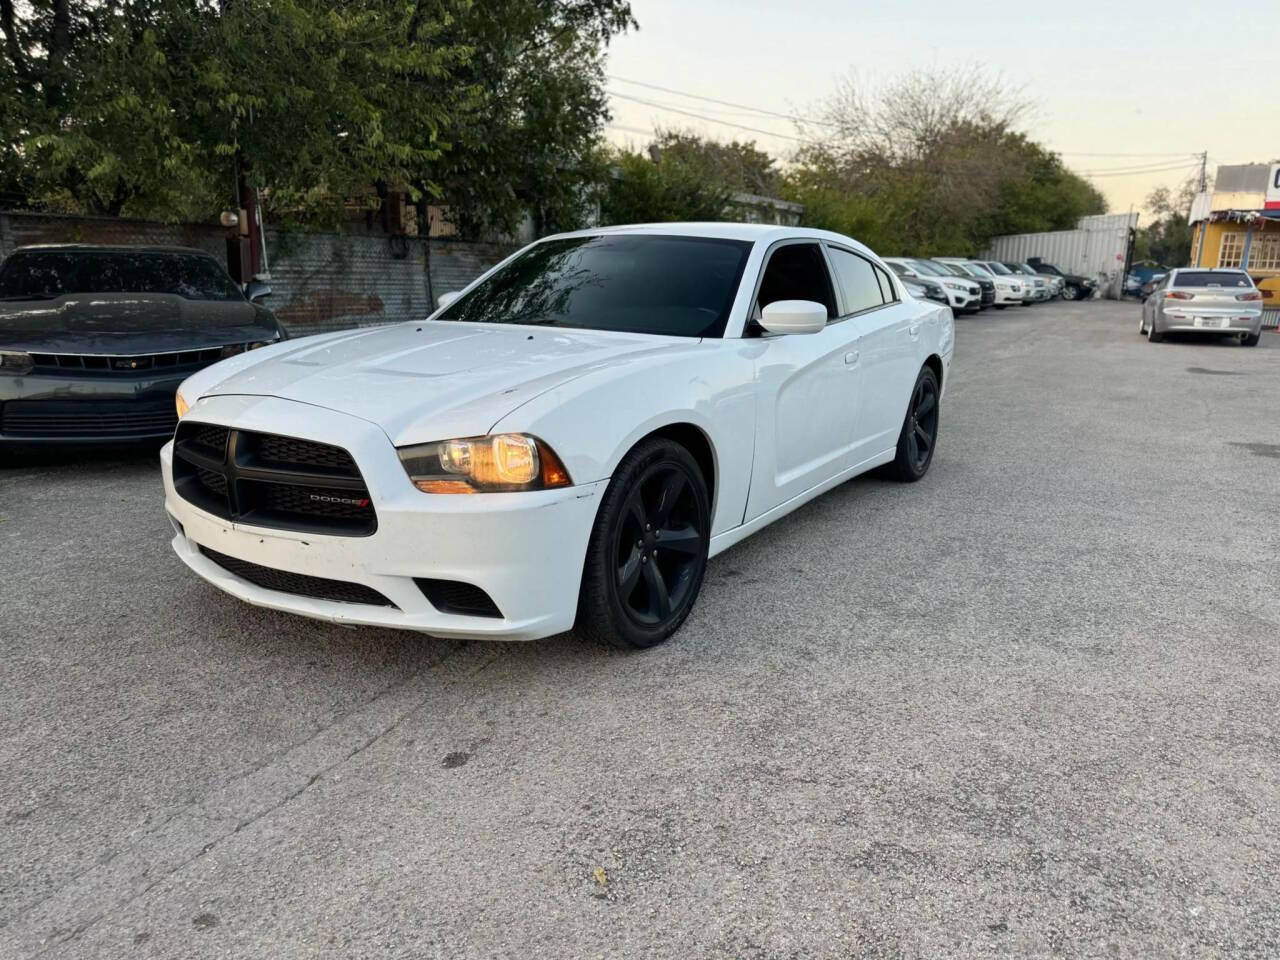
(919, 435)
(648, 549)
(1070, 292)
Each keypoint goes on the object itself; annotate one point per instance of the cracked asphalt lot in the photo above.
(1024, 708)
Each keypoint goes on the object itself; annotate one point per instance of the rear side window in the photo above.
(886, 285)
(797, 271)
(45, 274)
(1210, 278)
(858, 280)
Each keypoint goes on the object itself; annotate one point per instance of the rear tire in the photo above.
(919, 435)
(1250, 340)
(1154, 335)
(648, 549)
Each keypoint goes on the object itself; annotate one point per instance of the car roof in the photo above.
(110, 248)
(754, 232)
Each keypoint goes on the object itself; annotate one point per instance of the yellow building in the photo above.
(1238, 225)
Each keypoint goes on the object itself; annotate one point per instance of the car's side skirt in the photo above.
(725, 540)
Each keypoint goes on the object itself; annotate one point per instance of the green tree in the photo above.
(640, 190)
(1166, 239)
(932, 164)
(147, 108)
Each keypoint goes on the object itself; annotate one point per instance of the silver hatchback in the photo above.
(1196, 300)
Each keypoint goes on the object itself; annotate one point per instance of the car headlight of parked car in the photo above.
(504, 462)
(954, 285)
(15, 363)
(235, 349)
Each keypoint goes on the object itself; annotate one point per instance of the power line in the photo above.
(703, 116)
(1138, 173)
(725, 103)
(1144, 167)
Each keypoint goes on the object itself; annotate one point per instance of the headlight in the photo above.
(180, 402)
(501, 463)
(953, 285)
(14, 363)
(235, 349)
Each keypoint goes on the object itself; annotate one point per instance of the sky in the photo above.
(1118, 88)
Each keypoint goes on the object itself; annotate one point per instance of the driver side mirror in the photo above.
(447, 298)
(256, 290)
(794, 316)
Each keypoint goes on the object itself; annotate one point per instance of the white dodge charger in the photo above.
(565, 442)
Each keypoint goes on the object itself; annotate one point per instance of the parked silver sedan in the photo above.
(1196, 300)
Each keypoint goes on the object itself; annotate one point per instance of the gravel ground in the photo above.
(1026, 707)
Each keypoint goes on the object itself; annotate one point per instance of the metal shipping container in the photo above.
(1096, 248)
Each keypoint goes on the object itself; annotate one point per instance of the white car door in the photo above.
(888, 331)
(807, 384)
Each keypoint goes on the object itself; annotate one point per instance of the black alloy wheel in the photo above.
(919, 436)
(648, 549)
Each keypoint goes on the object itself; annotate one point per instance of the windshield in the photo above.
(931, 268)
(977, 269)
(45, 274)
(949, 269)
(1210, 278)
(634, 283)
(1000, 268)
(898, 268)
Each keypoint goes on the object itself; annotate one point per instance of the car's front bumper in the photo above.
(1004, 297)
(525, 550)
(50, 410)
(959, 300)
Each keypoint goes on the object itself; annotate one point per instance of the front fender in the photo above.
(592, 421)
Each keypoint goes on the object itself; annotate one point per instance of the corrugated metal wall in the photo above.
(1095, 249)
(319, 281)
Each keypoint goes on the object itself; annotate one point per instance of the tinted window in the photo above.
(675, 286)
(797, 271)
(932, 269)
(43, 274)
(1210, 278)
(857, 280)
(886, 285)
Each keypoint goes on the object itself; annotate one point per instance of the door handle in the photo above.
(851, 358)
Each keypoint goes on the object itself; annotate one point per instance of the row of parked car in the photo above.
(968, 286)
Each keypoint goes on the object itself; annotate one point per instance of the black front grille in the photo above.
(124, 364)
(271, 481)
(89, 419)
(299, 584)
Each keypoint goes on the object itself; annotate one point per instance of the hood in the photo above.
(129, 323)
(431, 380)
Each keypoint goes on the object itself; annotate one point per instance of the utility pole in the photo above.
(1203, 187)
(1204, 177)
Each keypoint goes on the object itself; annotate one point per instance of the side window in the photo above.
(886, 285)
(797, 271)
(858, 280)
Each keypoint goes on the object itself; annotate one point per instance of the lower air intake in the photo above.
(299, 584)
(456, 597)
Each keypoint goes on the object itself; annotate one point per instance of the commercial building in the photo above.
(1237, 224)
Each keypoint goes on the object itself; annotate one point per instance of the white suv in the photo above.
(961, 294)
(1008, 289)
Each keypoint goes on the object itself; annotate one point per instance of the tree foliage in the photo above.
(1167, 238)
(145, 107)
(933, 164)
